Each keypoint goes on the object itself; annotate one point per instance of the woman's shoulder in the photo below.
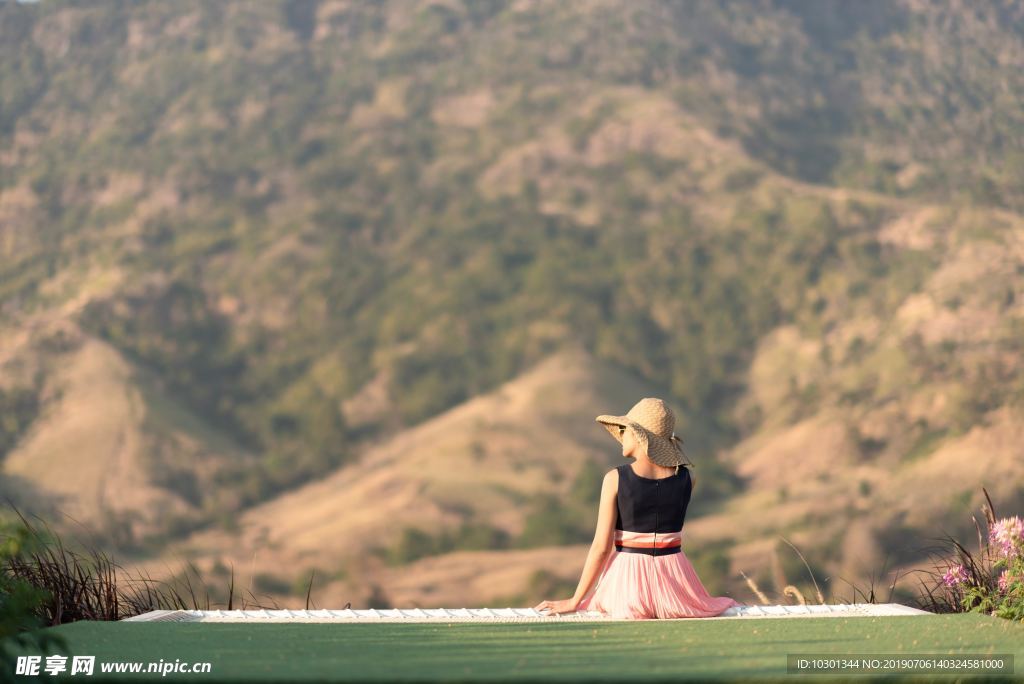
(611, 479)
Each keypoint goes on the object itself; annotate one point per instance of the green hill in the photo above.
(314, 224)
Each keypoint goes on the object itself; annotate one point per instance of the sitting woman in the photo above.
(638, 544)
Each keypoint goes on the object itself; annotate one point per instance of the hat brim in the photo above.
(675, 446)
(661, 451)
(613, 423)
(666, 452)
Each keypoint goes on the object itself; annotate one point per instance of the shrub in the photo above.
(416, 543)
(20, 602)
(990, 581)
(550, 523)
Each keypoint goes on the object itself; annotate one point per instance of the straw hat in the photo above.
(653, 425)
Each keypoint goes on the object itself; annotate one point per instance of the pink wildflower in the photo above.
(1007, 578)
(1007, 535)
(955, 575)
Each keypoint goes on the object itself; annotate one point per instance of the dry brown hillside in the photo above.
(480, 461)
(110, 452)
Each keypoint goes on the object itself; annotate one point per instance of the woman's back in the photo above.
(651, 512)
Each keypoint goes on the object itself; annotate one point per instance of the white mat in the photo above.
(408, 615)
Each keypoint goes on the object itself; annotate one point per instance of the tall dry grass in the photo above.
(790, 591)
(87, 584)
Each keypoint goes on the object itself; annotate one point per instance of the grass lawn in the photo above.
(645, 651)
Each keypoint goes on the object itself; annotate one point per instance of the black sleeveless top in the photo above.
(654, 508)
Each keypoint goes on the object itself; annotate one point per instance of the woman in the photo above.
(637, 547)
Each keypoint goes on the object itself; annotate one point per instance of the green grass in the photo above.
(645, 651)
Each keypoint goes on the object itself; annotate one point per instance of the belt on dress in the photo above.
(650, 543)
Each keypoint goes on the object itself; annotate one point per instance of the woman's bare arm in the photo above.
(600, 549)
(604, 535)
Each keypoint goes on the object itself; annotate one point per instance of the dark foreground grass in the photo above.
(644, 651)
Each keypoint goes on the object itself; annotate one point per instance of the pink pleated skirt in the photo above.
(638, 586)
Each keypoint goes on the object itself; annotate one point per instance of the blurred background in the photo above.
(334, 290)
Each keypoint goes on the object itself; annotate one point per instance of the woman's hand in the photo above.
(557, 607)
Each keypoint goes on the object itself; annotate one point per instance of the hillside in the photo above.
(108, 451)
(283, 239)
(485, 474)
(502, 474)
